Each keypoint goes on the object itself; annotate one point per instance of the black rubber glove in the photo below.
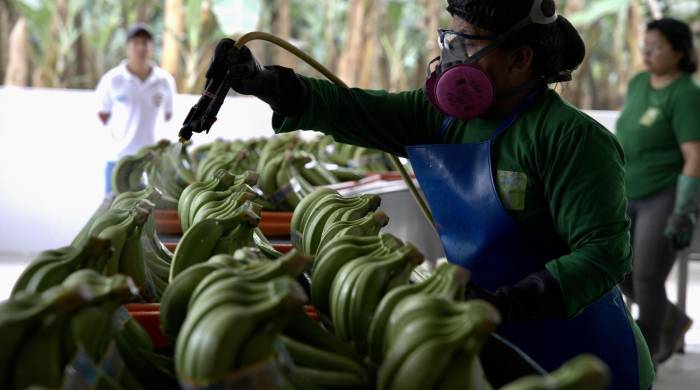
(536, 297)
(277, 86)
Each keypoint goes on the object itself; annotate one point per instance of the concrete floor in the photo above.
(681, 372)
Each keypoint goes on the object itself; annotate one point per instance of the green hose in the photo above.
(263, 36)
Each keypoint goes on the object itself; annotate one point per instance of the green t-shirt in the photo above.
(652, 125)
(558, 172)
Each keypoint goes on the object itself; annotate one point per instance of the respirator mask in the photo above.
(458, 86)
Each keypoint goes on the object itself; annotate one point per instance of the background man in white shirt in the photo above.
(130, 97)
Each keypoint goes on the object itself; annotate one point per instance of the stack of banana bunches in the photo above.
(349, 307)
(289, 167)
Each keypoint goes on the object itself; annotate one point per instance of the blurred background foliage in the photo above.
(369, 43)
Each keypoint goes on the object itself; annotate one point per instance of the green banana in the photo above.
(373, 283)
(331, 205)
(83, 234)
(360, 292)
(127, 200)
(216, 342)
(24, 313)
(268, 179)
(448, 280)
(100, 288)
(53, 273)
(309, 356)
(302, 211)
(343, 173)
(434, 340)
(128, 172)
(303, 329)
(40, 359)
(42, 259)
(90, 330)
(200, 241)
(206, 197)
(583, 372)
(330, 378)
(328, 263)
(221, 179)
(227, 204)
(173, 302)
(369, 225)
(464, 371)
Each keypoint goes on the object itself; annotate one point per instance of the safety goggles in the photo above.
(452, 43)
(454, 46)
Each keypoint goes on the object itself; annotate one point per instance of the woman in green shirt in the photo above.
(527, 192)
(659, 130)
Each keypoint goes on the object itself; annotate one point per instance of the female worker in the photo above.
(659, 130)
(526, 191)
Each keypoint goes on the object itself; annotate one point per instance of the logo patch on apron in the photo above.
(649, 116)
(512, 187)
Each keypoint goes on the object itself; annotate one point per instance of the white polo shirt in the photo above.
(133, 106)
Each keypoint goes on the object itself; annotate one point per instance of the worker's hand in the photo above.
(679, 229)
(277, 86)
(536, 297)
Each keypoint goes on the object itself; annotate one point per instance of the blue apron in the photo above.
(478, 233)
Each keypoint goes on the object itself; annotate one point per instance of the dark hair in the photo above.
(557, 47)
(681, 39)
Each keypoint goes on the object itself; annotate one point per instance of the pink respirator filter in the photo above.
(463, 91)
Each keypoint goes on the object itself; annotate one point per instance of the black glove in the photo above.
(536, 297)
(679, 229)
(277, 86)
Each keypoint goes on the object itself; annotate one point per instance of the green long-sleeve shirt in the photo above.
(558, 172)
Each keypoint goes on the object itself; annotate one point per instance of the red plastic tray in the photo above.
(148, 316)
(273, 223)
(282, 248)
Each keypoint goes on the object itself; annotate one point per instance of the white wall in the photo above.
(52, 155)
(52, 150)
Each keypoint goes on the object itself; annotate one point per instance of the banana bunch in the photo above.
(200, 193)
(434, 343)
(238, 161)
(448, 281)
(282, 182)
(128, 172)
(83, 235)
(584, 372)
(105, 332)
(246, 263)
(333, 152)
(324, 214)
(157, 257)
(320, 359)
(212, 236)
(232, 325)
(201, 151)
(343, 250)
(170, 170)
(219, 204)
(275, 146)
(104, 328)
(359, 286)
(23, 314)
(316, 172)
(124, 229)
(45, 330)
(51, 267)
(371, 160)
